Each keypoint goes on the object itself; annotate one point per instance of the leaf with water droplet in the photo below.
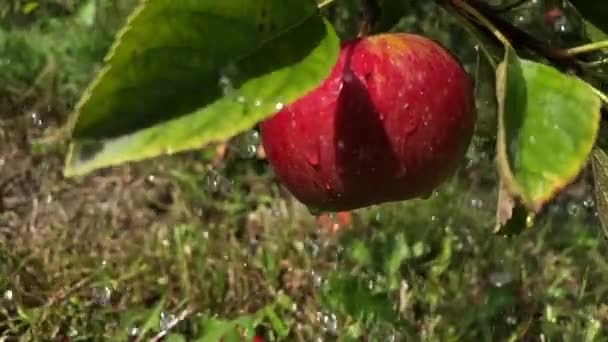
(170, 86)
(547, 126)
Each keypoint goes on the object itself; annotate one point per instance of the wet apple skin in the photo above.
(391, 122)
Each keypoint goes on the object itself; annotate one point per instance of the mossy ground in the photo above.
(151, 251)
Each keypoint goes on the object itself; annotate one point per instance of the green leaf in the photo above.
(174, 338)
(277, 324)
(599, 164)
(229, 331)
(594, 13)
(594, 33)
(185, 73)
(548, 122)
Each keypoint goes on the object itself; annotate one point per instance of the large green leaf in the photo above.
(185, 73)
(548, 122)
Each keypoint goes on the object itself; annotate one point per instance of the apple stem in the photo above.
(370, 11)
(517, 37)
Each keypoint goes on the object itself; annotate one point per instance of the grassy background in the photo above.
(171, 249)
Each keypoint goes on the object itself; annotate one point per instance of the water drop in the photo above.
(216, 182)
(329, 322)
(312, 156)
(225, 83)
(588, 202)
(73, 332)
(257, 102)
(574, 209)
(279, 105)
(8, 295)
(476, 203)
(35, 118)
(340, 144)
(500, 279)
(247, 144)
(167, 320)
(311, 247)
(133, 331)
(317, 279)
(102, 295)
(530, 220)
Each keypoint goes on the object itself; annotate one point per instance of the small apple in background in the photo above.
(391, 122)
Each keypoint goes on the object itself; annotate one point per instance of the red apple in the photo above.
(391, 122)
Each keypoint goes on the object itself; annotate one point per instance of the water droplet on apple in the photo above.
(312, 156)
(340, 144)
(278, 106)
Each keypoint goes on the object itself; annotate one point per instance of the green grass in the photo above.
(150, 251)
(419, 270)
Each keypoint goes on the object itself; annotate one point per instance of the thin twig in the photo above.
(587, 48)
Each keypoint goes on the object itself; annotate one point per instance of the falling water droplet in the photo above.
(329, 322)
(530, 220)
(476, 203)
(102, 295)
(35, 118)
(574, 209)
(247, 144)
(167, 320)
(133, 331)
(500, 279)
(216, 182)
(317, 279)
(225, 84)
